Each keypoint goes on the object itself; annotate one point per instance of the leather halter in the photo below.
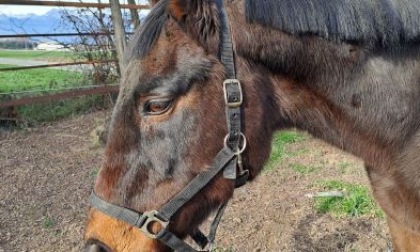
(228, 160)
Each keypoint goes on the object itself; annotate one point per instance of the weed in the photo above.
(356, 202)
(94, 172)
(278, 146)
(303, 169)
(48, 222)
(343, 166)
(287, 137)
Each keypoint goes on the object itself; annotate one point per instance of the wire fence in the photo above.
(19, 98)
(91, 62)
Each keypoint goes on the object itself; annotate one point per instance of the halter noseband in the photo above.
(228, 160)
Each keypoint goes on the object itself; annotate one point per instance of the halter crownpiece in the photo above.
(228, 160)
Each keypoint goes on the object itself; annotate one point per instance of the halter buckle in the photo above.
(149, 218)
(233, 101)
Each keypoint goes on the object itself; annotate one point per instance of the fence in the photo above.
(28, 97)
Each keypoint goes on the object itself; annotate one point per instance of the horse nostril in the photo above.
(96, 246)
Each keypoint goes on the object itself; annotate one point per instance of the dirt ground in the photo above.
(47, 173)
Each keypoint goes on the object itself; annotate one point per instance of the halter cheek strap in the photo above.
(228, 160)
(163, 216)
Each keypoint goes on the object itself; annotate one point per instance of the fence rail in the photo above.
(57, 65)
(97, 90)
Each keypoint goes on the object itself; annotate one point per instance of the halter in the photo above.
(228, 160)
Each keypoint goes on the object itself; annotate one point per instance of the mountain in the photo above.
(50, 22)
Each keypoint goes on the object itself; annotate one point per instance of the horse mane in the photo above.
(380, 23)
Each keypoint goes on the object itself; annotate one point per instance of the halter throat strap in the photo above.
(228, 160)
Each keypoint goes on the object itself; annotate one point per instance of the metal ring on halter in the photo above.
(239, 151)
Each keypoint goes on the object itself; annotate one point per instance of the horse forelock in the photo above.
(147, 34)
(381, 23)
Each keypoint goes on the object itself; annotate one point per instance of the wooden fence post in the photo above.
(134, 14)
(119, 31)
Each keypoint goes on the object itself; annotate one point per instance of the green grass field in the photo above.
(38, 79)
(45, 80)
(38, 55)
(53, 56)
(5, 66)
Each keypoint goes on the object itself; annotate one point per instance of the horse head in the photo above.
(169, 124)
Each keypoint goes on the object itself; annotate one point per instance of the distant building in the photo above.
(50, 46)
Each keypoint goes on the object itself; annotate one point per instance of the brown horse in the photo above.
(347, 72)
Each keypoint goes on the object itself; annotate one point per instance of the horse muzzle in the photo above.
(106, 234)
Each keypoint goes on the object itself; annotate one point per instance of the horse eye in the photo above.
(157, 106)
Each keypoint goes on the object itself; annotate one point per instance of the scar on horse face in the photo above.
(209, 82)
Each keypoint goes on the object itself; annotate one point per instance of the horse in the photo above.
(208, 82)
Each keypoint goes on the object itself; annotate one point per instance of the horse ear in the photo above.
(199, 18)
(180, 8)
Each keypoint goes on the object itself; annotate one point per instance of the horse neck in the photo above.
(303, 75)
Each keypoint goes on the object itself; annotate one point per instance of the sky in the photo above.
(20, 10)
